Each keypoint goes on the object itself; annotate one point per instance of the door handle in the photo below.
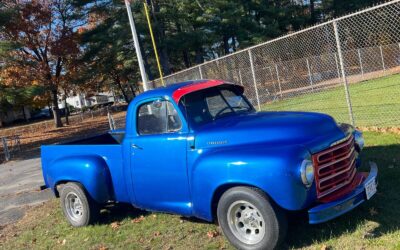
(136, 146)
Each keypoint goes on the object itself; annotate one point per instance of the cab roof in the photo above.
(177, 90)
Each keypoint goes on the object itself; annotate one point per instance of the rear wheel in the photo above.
(249, 220)
(78, 207)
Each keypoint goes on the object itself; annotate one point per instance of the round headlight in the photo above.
(307, 173)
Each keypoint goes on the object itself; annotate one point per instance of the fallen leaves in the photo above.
(102, 247)
(395, 130)
(115, 225)
(62, 242)
(325, 247)
(212, 234)
(138, 220)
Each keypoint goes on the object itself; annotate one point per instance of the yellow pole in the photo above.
(154, 43)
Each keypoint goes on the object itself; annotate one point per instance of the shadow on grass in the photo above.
(119, 212)
(381, 211)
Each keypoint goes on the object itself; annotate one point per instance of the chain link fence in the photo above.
(326, 68)
(10, 138)
(48, 125)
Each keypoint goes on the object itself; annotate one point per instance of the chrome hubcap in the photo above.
(246, 222)
(73, 206)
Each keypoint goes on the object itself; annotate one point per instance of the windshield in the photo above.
(207, 105)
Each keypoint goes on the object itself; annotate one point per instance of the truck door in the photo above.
(158, 152)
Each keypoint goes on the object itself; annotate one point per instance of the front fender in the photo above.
(91, 171)
(273, 170)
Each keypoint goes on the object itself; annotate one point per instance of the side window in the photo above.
(157, 117)
(174, 122)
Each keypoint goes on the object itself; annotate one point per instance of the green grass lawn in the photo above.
(373, 225)
(375, 102)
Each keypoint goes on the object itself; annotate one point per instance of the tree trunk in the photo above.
(186, 58)
(160, 34)
(225, 41)
(66, 110)
(185, 54)
(164, 58)
(199, 58)
(312, 11)
(234, 43)
(50, 111)
(146, 61)
(132, 90)
(118, 82)
(56, 110)
(23, 113)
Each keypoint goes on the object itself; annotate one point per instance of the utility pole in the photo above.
(137, 47)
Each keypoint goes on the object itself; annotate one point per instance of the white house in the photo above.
(81, 100)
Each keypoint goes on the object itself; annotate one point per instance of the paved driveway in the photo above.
(19, 189)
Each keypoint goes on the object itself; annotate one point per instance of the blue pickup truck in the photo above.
(200, 149)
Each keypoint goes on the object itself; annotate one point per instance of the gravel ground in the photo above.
(19, 189)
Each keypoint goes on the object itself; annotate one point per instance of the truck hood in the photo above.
(314, 131)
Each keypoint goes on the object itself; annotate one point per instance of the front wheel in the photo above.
(78, 207)
(249, 220)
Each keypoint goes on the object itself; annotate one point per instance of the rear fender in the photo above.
(90, 171)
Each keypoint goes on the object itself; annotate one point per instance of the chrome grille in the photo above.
(335, 167)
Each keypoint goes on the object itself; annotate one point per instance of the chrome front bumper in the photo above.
(331, 210)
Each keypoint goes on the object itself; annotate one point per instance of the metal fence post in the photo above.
(399, 50)
(272, 80)
(361, 64)
(240, 78)
(309, 75)
(337, 66)
(5, 147)
(254, 79)
(200, 72)
(383, 60)
(279, 81)
(341, 62)
(110, 121)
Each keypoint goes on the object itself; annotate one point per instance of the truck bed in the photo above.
(110, 138)
(106, 146)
